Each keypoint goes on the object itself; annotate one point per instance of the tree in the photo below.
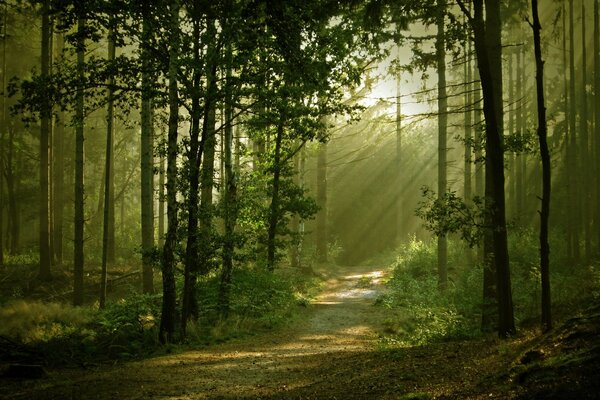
(78, 243)
(488, 47)
(321, 237)
(573, 183)
(546, 172)
(167, 319)
(584, 141)
(440, 44)
(147, 148)
(45, 134)
(597, 115)
(230, 195)
(58, 157)
(108, 180)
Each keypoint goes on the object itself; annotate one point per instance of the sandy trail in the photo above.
(285, 364)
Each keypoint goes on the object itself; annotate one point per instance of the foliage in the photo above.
(429, 314)
(451, 214)
(421, 313)
(259, 300)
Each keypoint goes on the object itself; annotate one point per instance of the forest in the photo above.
(300, 199)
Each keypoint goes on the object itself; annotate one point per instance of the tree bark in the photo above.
(167, 320)
(322, 234)
(442, 243)
(274, 210)
(147, 164)
(399, 177)
(488, 47)
(583, 144)
(230, 196)
(546, 173)
(45, 134)
(78, 255)
(58, 176)
(572, 170)
(108, 177)
(597, 117)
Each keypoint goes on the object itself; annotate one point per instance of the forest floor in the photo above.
(332, 352)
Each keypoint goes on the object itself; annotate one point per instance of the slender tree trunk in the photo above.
(78, 257)
(147, 163)
(230, 197)
(275, 209)
(399, 178)
(512, 193)
(442, 244)
(597, 117)
(161, 200)
(546, 173)
(520, 176)
(58, 176)
(108, 177)
(193, 163)
(468, 128)
(322, 235)
(584, 142)
(295, 223)
(573, 173)
(2, 144)
(45, 134)
(167, 321)
(478, 151)
(488, 47)
(14, 210)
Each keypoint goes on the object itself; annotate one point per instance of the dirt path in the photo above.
(341, 323)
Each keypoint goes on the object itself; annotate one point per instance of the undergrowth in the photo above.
(60, 334)
(421, 313)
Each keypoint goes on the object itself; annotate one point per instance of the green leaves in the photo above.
(451, 214)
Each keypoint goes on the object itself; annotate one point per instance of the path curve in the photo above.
(342, 322)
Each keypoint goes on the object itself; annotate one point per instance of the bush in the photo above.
(423, 313)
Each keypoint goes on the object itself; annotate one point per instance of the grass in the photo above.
(58, 333)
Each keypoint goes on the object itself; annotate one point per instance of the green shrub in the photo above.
(422, 313)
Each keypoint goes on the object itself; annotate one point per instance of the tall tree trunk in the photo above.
(45, 133)
(274, 210)
(399, 178)
(108, 177)
(322, 234)
(572, 171)
(442, 244)
(296, 221)
(468, 128)
(2, 131)
(520, 173)
(512, 193)
(58, 176)
(78, 260)
(584, 141)
(546, 173)
(597, 118)
(230, 197)
(14, 210)
(478, 151)
(161, 200)
(488, 47)
(169, 299)
(147, 163)
(188, 309)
